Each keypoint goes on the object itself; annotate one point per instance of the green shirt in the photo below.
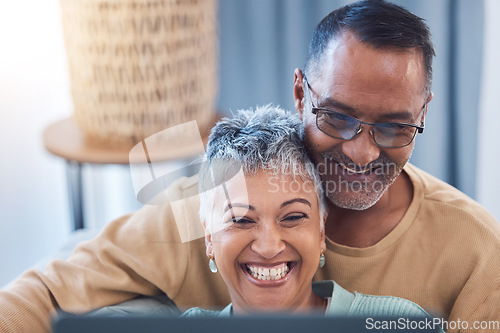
(343, 303)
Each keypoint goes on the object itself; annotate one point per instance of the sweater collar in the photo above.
(341, 299)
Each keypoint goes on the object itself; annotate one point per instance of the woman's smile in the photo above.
(268, 275)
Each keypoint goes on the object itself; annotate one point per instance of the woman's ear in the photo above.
(322, 239)
(323, 232)
(208, 240)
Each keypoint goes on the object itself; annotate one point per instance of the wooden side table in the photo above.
(65, 139)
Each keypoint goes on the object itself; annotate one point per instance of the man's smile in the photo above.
(355, 171)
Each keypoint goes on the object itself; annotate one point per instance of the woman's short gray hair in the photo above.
(267, 138)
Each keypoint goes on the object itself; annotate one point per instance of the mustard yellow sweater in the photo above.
(444, 255)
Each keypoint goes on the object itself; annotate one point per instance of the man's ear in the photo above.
(208, 240)
(298, 91)
(431, 96)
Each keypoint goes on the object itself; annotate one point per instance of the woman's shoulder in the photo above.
(399, 309)
(385, 306)
(358, 304)
(199, 312)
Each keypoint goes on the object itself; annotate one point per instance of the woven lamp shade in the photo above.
(140, 66)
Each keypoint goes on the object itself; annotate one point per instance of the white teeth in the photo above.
(354, 171)
(266, 274)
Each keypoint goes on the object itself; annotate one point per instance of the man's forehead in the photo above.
(347, 48)
(351, 71)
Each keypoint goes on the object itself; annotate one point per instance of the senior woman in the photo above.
(263, 211)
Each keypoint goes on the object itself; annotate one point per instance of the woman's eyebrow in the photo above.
(289, 202)
(230, 205)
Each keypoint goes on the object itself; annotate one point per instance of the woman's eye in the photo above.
(242, 220)
(294, 217)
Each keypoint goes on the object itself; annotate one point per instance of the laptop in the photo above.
(66, 323)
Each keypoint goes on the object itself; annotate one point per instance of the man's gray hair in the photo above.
(267, 138)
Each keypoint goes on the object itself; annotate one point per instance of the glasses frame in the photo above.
(316, 110)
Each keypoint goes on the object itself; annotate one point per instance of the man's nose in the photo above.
(268, 241)
(361, 149)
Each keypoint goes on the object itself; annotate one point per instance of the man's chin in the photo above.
(356, 200)
(357, 195)
(354, 203)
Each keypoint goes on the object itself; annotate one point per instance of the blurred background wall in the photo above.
(261, 42)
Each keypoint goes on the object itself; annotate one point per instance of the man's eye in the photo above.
(339, 120)
(387, 129)
(340, 117)
(395, 129)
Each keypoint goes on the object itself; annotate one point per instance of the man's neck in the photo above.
(367, 227)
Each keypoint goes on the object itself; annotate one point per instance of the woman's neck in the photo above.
(311, 304)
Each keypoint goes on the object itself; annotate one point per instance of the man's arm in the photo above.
(130, 257)
(479, 301)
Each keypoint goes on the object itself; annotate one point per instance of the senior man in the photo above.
(392, 229)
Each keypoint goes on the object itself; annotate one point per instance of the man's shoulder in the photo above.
(434, 188)
(186, 183)
(176, 211)
(441, 199)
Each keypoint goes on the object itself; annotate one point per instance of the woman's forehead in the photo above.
(265, 187)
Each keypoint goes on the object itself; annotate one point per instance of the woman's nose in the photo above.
(268, 241)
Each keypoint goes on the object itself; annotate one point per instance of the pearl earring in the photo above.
(212, 265)
(322, 258)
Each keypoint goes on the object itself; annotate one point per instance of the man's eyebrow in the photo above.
(289, 202)
(331, 102)
(405, 116)
(230, 205)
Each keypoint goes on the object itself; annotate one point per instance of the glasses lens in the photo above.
(393, 135)
(336, 124)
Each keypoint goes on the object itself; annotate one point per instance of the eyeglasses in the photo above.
(341, 126)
